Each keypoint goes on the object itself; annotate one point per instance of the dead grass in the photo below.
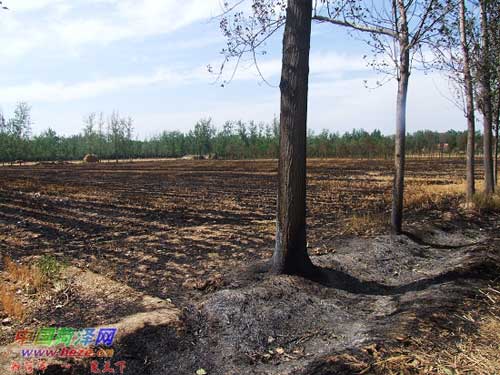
(487, 203)
(25, 279)
(426, 196)
(474, 353)
(437, 351)
(10, 304)
(369, 223)
(266, 226)
(31, 276)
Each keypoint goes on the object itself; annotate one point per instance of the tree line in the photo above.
(112, 137)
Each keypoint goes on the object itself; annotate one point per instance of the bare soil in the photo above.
(195, 236)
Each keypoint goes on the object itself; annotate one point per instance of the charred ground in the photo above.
(186, 231)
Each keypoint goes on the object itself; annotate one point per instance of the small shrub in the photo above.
(49, 266)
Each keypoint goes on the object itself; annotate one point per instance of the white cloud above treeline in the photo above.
(325, 65)
(71, 24)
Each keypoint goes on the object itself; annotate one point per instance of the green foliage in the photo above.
(112, 138)
(20, 124)
(49, 266)
(203, 134)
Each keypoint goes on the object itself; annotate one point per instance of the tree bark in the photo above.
(469, 95)
(486, 101)
(290, 254)
(400, 140)
(497, 126)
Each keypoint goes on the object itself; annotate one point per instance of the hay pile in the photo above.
(193, 157)
(91, 158)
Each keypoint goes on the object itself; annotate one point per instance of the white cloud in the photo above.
(30, 5)
(61, 92)
(67, 25)
(327, 65)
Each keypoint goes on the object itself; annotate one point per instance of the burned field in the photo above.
(197, 233)
(180, 220)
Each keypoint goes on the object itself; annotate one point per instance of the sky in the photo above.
(148, 59)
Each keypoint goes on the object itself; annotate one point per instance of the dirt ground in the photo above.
(194, 238)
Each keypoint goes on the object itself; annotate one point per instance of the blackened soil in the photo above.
(383, 289)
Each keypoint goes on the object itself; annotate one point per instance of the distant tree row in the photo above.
(111, 137)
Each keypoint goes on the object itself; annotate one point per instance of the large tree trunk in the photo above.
(400, 140)
(290, 254)
(469, 95)
(486, 100)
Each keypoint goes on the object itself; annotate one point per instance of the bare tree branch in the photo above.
(375, 30)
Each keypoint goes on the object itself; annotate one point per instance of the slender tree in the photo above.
(469, 95)
(21, 123)
(245, 35)
(495, 46)
(497, 128)
(400, 153)
(486, 105)
(398, 30)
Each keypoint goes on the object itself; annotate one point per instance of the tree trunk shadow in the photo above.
(487, 269)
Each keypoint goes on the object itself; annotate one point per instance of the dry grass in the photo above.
(475, 353)
(266, 226)
(31, 276)
(10, 304)
(369, 223)
(425, 196)
(487, 203)
(440, 352)
(29, 279)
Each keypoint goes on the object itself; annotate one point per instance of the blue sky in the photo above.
(147, 59)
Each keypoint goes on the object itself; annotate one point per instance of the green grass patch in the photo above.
(49, 266)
